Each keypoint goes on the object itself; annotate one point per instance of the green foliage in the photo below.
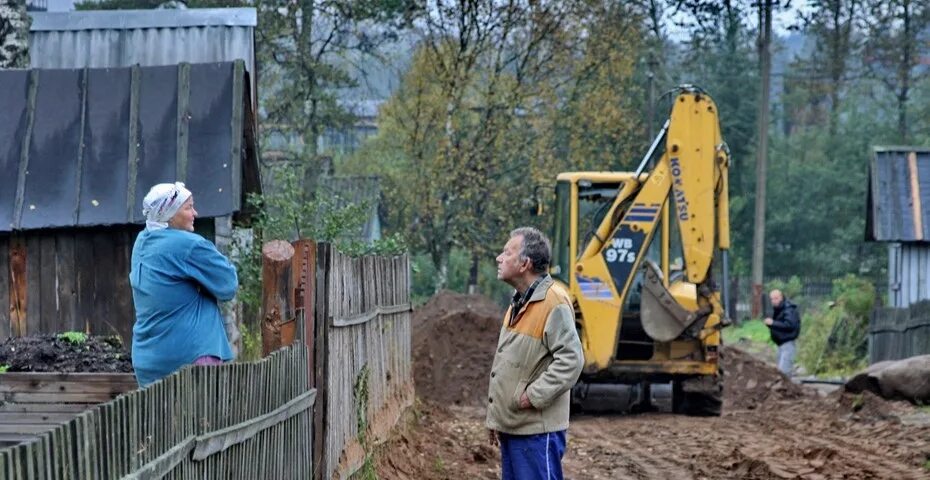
(439, 465)
(286, 214)
(423, 275)
(251, 342)
(834, 337)
(360, 393)
(4, 368)
(486, 114)
(74, 338)
(151, 4)
(791, 289)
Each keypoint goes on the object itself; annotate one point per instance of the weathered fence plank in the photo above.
(363, 308)
(896, 333)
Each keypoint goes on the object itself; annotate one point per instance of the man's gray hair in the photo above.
(536, 247)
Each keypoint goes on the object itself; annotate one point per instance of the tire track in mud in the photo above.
(653, 447)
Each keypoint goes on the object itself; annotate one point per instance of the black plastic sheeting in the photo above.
(50, 190)
(106, 138)
(210, 98)
(892, 210)
(78, 169)
(14, 90)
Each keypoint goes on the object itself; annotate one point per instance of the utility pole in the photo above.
(651, 76)
(758, 237)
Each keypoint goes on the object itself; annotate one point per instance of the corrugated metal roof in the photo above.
(81, 147)
(899, 195)
(122, 38)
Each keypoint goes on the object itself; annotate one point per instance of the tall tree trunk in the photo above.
(758, 240)
(904, 72)
(473, 274)
(14, 34)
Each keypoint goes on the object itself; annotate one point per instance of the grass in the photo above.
(751, 336)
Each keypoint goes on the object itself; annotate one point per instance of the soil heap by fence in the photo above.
(454, 337)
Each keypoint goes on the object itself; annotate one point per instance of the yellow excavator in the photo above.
(636, 252)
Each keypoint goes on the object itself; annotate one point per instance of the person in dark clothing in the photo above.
(784, 327)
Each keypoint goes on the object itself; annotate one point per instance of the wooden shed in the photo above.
(899, 215)
(79, 149)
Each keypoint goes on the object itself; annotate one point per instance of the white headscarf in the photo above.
(162, 202)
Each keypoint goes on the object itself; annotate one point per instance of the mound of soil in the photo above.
(48, 353)
(454, 337)
(749, 382)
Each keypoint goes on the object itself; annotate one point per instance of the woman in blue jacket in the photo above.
(177, 279)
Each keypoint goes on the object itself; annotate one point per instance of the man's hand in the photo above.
(769, 321)
(492, 438)
(525, 402)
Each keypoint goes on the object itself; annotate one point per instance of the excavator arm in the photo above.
(690, 175)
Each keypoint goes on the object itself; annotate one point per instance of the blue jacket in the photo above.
(177, 277)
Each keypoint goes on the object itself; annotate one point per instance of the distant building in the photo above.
(899, 215)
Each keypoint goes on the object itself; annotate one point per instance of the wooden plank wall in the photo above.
(896, 333)
(240, 420)
(32, 403)
(76, 279)
(367, 333)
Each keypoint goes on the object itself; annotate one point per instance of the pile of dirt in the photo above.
(58, 353)
(454, 337)
(434, 443)
(750, 382)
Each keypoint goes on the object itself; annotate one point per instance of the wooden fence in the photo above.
(241, 420)
(896, 333)
(34, 403)
(363, 357)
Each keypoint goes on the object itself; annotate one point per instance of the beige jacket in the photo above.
(541, 355)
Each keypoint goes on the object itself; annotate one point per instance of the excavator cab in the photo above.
(635, 252)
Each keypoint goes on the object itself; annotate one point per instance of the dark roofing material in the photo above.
(899, 195)
(81, 147)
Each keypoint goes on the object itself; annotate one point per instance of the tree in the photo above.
(893, 49)
(499, 98)
(299, 44)
(14, 34)
(831, 24)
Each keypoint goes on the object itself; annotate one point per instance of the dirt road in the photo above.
(770, 429)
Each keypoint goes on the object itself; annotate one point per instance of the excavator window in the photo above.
(561, 237)
(594, 201)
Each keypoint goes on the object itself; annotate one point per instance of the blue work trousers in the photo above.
(532, 457)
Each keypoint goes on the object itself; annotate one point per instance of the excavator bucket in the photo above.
(663, 318)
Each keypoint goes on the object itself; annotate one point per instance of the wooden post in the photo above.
(321, 320)
(18, 287)
(277, 297)
(304, 281)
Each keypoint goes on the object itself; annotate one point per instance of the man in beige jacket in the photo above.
(538, 359)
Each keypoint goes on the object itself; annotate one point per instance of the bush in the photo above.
(834, 337)
(286, 214)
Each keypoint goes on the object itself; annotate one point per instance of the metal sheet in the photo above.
(50, 188)
(892, 207)
(106, 139)
(83, 166)
(210, 162)
(14, 88)
(124, 38)
(158, 127)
